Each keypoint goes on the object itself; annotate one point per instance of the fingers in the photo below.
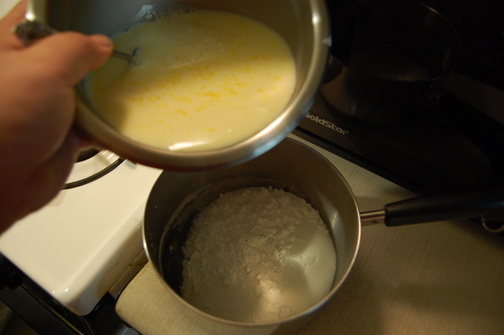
(69, 56)
(105, 46)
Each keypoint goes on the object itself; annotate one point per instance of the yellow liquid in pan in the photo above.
(205, 80)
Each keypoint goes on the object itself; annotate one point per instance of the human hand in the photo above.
(38, 144)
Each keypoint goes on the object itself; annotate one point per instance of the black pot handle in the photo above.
(485, 204)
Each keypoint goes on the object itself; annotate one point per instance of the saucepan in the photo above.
(396, 58)
(176, 198)
(391, 60)
(303, 25)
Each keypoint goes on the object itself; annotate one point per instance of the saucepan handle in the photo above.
(486, 204)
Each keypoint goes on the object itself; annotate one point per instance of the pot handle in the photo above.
(486, 204)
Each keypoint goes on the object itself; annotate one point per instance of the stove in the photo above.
(455, 149)
(86, 244)
(73, 257)
(446, 145)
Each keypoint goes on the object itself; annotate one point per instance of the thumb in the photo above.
(69, 55)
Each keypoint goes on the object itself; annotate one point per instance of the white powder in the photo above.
(258, 255)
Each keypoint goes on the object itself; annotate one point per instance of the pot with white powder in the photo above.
(259, 247)
(214, 83)
(254, 248)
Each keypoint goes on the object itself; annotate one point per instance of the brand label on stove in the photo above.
(326, 123)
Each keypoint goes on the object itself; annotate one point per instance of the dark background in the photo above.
(479, 23)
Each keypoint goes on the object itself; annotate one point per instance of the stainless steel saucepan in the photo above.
(177, 197)
(303, 24)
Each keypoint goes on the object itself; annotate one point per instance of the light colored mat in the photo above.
(442, 278)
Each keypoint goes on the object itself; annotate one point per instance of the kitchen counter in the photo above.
(436, 278)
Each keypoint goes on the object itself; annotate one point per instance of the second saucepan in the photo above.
(177, 198)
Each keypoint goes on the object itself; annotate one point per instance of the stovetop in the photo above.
(455, 149)
(82, 253)
(450, 147)
(79, 245)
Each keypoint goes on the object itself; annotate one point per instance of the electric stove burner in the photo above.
(92, 165)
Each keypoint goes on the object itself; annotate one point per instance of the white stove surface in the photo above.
(77, 246)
